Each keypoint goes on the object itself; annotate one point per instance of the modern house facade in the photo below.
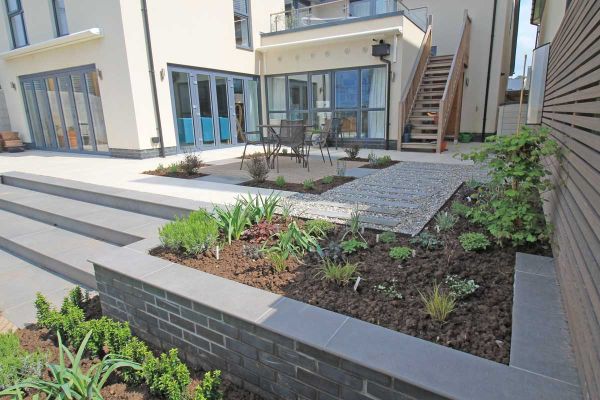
(126, 80)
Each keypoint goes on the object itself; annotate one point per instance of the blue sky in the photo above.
(526, 38)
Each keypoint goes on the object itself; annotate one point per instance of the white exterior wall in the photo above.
(446, 27)
(554, 12)
(4, 117)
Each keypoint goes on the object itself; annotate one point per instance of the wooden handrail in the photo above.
(414, 81)
(455, 78)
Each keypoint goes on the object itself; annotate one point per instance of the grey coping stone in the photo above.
(359, 172)
(12, 225)
(439, 369)
(145, 245)
(23, 179)
(148, 230)
(298, 320)
(374, 201)
(533, 264)
(232, 180)
(55, 241)
(540, 340)
(129, 262)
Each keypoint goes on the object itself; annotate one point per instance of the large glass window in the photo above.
(60, 17)
(93, 90)
(321, 91)
(241, 22)
(16, 21)
(276, 93)
(183, 108)
(539, 69)
(346, 89)
(55, 112)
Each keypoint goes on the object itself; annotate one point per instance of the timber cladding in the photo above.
(572, 112)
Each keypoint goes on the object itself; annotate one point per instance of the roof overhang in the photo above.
(537, 9)
(328, 39)
(48, 45)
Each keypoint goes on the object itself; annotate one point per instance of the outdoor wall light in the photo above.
(162, 74)
(13, 85)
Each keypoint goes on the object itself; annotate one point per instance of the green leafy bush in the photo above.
(353, 245)
(427, 241)
(137, 351)
(280, 181)
(473, 241)
(167, 376)
(257, 167)
(387, 237)
(259, 207)
(383, 160)
(445, 221)
(509, 206)
(233, 220)
(319, 227)
(17, 364)
(341, 274)
(460, 288)
(107, 333)
(192, 235)
(293, 241)
(352, 151)
(277, 259)
(460, 209)
(308, 184)
(191, 163)
(438, 304)
(401, 253)
(68, 320)
(209, 388)
(328, 180)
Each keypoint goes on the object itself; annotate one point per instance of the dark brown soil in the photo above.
(319, 188)
(178, 174)
(480, 324)
(368, 165)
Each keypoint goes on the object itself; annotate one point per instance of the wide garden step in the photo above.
(100, 222)
(58, 250)
(419, 146)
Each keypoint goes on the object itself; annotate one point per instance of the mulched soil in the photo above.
(33, 338)
(179, 174)
(320, 187)
(480, 324)
(368, 165)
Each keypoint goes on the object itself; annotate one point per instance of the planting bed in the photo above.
(369, 165)
(319, 185)
(178, 174)
(480, 324)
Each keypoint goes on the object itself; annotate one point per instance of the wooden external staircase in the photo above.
(432, 101)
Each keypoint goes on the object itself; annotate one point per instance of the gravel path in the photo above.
(402, 198)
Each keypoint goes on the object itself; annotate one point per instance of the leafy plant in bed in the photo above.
(188, 168)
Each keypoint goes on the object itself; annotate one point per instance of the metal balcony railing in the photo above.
(343, 10)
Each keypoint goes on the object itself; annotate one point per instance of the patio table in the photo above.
(273, 141)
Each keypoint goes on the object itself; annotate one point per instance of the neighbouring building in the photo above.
(145, 78)
(565, 93)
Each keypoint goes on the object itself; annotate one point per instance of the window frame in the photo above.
(59, 33)
(248, 17)
(12, 14)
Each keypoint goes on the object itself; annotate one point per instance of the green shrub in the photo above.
(192, 235)
(401, 253)
(167, 376)
(233, 220)
(460, 288)
(445, 221)
(460, 209)
(259, 207)
(277, 259)
(173, 168)
(107, 333)
(352, 151)
(137, 351)
(280, 181)
(257, 167)
(438, 304)
(383, 160)
(509, 207)
(16, 364)
(191, 163)
(209, 388)
(293, 241)
(427, 241)
(353, 245)
(387, 237)
(308, 184)
(473, 241)
(328, 180)
(319, 227)
(68, 320)
(341, 274)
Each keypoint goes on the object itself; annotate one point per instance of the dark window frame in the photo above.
(59, 32)
(247, 15)
(13, 14)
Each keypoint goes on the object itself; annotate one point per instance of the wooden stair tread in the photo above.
(418, 145)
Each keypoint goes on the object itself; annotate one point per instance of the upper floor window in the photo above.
(241, 20)
(16, 21)
(60, 17)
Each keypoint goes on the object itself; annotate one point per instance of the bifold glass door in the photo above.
(64, 110)
(213, 108)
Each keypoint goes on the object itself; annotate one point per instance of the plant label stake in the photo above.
(217, 252)
(377, 238)
(356, 283)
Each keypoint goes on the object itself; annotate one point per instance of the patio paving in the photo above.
(402, 198)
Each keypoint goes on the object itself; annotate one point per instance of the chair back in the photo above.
(297, 133)
(336, 126)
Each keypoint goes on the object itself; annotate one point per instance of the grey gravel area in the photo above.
(402, 198)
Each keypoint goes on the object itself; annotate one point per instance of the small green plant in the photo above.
(389, 289)
(438, 304)
(460, 209)
(16, 364)
(352, 151)
(285, 209)
(328, 180)
(173, 168)
(233, 220)
(473, 241)
(71, 382)
(260, 208)
(277, 259)
(340, 274)
(192, 235)
(293, 241)
(427, 241)
(353, 245)
(354, 225)
(280, 181)
(445, 221)
(372, 158)
(387, 237)
(460, 288)
(191, 162)
(401, 253)
(167, 376)
(308, 184)
(208, 389)
(257, 167)
(319, 228)
(137, 351)
(383, 161)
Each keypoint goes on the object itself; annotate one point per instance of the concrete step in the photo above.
(58, 250)
(155, 205)
(108, 224)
